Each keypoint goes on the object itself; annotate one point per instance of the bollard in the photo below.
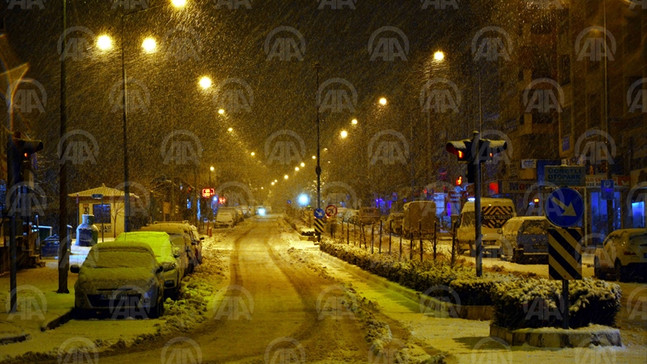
(435, 238)
(390, 233)
(380, 247)
(420, 236)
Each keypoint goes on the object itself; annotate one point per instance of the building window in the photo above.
(101, 213)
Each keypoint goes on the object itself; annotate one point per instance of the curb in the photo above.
(56, 321)
(558, 338)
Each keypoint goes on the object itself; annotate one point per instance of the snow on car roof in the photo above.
(159, 241)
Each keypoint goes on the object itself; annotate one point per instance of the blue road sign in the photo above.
(319, 213)
(606, 188)
(565, 207)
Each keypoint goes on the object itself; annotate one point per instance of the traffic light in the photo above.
(19, 153)
(459, 180)
(475, 151)
(461, 148)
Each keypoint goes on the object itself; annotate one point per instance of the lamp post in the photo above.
(318, 168)
(148, 45)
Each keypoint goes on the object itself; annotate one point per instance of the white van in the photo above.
(494, 213)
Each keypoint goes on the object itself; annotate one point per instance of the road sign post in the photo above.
(564, 209)
(319, 223)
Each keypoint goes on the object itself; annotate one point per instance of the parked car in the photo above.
(368, 215)
(393, 223)
(419, 218)
(525, 239)
(236, 212)
(623, 255)
(181, 237)
(168, 256)
(225, 219)
(122, 278)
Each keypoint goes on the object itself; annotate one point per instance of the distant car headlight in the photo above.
(261, 211)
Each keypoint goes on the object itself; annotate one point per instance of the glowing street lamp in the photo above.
(230, 129)
(221, 111)
(104, 42)
(149, 45)
(302, 164)
(205, 82)
(343, 134)
(286, 177)
(439, 56)
(178, 3)
(252, 154)
(354, 121)
(296, 169)
(383, 101)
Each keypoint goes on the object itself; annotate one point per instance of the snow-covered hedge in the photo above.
(518, 302)
(538, 303)
(432, 278)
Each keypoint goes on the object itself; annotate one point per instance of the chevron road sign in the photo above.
(319, 226)
(564, 253)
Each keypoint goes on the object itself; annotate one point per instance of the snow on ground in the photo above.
(468, 341)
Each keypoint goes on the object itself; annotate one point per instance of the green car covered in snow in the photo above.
(166, 254)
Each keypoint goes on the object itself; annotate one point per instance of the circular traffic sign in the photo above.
(331, 210)
(319, 213)
(565, 207)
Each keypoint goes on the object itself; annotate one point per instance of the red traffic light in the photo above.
(459, 181)
(208, 192)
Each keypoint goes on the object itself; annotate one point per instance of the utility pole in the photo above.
(63, 237)
(318, 168)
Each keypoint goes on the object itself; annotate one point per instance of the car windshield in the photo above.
(118, 259)
(534, 228)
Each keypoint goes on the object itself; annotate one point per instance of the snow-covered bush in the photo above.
(477, 291)
(538, 303)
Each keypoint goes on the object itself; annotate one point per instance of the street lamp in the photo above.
(104, 42)
(354, 121)
(205, 82)
(149, 45)
(343, 134)
(383, 101)
(221, 112)
(439, 56)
